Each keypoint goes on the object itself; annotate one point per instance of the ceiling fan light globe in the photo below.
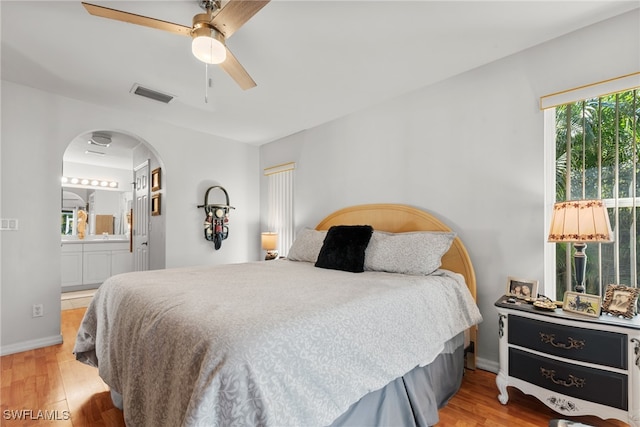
(209, 50)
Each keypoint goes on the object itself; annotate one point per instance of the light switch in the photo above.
(8, 224)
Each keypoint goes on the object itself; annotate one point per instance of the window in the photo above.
(596, 144)
(280, 204)
(67, 221)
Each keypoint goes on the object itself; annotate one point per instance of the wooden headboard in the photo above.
(402, 218)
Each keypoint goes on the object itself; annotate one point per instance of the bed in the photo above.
(292, 342)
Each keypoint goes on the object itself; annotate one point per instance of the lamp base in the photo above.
(580, 260)
(271, 255)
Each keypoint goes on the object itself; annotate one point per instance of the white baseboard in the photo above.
(30, 345)
(487, 365)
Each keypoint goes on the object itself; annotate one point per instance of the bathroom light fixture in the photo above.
(85, 182)
(100, 140)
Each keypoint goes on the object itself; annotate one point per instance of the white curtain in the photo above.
(280, 204)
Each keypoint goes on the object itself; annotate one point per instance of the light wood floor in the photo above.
(76, 299)
(50, 379)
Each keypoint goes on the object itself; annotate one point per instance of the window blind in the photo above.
(280, 204)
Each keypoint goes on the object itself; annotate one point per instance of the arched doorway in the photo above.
(99, 170)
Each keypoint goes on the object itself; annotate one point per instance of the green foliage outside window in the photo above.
(602, 136)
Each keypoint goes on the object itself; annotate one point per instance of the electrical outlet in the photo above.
(37, 310)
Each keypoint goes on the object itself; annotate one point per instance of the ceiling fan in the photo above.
(209, 31)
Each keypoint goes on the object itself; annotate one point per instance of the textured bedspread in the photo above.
(278, 343)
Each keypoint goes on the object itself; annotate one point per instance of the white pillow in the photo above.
(417, 253)
(307, 245)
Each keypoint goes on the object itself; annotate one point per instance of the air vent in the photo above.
(151, 94)
(94, 153)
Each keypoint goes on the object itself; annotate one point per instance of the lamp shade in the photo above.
(269, 241)
(580, 221)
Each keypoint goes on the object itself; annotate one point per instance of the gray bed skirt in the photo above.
(412, 400)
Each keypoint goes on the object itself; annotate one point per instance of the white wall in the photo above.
(36, 129)
(469, 150)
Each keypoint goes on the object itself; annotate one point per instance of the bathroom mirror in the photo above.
(71, 203)
(107, 211)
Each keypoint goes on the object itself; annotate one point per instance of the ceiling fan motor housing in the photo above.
(202, 27)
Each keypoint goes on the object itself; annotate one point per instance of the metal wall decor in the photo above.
(216, 222)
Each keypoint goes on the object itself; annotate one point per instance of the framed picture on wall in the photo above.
(155, 204)
(155, 180)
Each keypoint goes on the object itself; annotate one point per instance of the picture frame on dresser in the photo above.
(621, 300)
(522, 288)
(581, 303)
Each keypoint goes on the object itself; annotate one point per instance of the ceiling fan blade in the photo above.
(118, 15)
(235, 14)
(237, 72)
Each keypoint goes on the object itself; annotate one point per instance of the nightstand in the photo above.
(576, 365)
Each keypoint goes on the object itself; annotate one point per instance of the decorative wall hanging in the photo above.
(216, 222)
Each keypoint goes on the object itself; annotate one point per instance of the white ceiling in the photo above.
(313, 60)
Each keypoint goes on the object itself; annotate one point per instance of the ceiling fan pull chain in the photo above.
(206, 83)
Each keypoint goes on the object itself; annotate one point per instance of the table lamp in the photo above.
(270, 244)
(578, 222)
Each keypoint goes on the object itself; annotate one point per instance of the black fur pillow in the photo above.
(344, 247)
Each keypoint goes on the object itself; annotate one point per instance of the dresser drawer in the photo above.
(587, 345)
(594, 385)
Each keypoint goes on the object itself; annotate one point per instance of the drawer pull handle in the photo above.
(550, 339)
(636, 350)
(573, 381)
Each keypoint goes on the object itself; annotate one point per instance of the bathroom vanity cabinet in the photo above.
(88, 263)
